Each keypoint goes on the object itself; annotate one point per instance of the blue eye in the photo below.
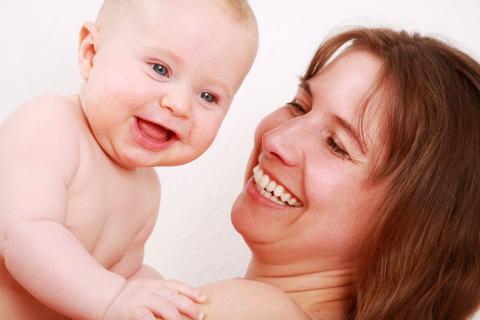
(208, 97)
(161, 70)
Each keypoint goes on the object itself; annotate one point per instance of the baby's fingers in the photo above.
(186, 290)
(187, 307)
(164, 309)
(144, 314)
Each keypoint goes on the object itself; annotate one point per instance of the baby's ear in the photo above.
(87, 48)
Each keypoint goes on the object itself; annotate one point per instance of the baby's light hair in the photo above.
(240, 9)
(110, 8)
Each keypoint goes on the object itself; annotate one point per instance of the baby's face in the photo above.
(163, 79)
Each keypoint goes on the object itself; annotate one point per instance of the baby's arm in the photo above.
(47, 260)
(38, 158)
(146, 272)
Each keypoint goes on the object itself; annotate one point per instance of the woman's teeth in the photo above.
(272, 190)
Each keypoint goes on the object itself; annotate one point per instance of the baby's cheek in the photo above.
(114, 85)
(207, 128)
(204, 140)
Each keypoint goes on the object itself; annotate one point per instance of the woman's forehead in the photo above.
(352, 73)
(345, 86)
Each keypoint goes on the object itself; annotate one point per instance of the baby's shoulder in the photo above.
(246, 299)
(47, 121)
(46, 110)
(42, 132)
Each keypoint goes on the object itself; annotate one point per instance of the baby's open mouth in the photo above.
(154, 131)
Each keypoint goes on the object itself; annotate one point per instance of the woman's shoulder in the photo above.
(246, 299)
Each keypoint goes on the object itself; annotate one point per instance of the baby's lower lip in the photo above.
(147, 140)
(154, 131)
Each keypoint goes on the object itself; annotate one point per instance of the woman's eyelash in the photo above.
(337, 149)
(332, 144)
(297, 107)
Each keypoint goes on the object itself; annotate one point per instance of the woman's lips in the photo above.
(272, 189)
(252, 191)
(152, 136)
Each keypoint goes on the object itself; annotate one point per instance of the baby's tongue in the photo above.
(153, 131)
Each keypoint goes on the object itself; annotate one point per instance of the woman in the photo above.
(362, 194)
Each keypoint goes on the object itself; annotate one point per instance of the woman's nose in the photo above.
(176, 102)
(286, 142)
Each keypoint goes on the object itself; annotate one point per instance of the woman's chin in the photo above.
(241, 216)
(253, 226)
(235, 215)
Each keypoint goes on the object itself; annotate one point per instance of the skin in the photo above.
(303, 257)
(78, 196)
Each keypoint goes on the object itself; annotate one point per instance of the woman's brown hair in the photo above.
(422, 258)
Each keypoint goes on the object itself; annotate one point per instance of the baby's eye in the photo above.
(161, 69)
(208, 97)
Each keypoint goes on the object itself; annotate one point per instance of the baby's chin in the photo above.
(148, 159)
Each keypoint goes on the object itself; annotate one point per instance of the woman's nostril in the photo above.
(169, 109)
(275, 155)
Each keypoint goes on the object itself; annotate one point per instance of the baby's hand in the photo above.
(146, 299)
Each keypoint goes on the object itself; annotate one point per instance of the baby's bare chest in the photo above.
(109, 207)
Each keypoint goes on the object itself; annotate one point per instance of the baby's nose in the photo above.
(177, 103)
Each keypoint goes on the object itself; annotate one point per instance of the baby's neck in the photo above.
(321, 294)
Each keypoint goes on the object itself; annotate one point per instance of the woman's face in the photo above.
(311, 149)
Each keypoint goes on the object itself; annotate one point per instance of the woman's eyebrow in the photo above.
(351, 130)
(306, 86)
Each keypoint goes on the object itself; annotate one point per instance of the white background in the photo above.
(194, 240)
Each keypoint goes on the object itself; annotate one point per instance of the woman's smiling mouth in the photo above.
(273, 190)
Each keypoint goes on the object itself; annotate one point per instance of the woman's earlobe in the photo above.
(87, 48)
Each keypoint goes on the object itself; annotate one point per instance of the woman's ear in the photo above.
(87, 48)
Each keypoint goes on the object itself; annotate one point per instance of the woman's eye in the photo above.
(208, 97)
(297, 108)
(161, 69)
(339, 151)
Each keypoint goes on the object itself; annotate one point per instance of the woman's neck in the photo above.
(321, 294)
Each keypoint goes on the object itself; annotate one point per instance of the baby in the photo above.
(78, 194)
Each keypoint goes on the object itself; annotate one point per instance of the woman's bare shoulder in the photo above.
(246, 299)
